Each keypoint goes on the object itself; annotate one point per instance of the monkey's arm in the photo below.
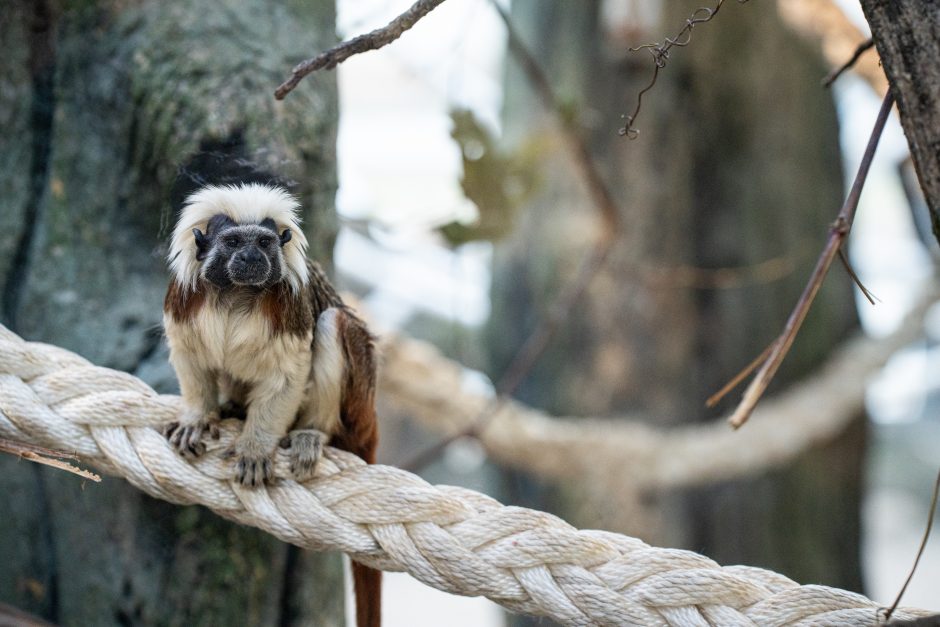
(272, 408)
(320, 418)
(200, 413)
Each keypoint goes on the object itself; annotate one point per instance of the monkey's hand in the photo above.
(186, 434)
(305, 448)
(254, 465)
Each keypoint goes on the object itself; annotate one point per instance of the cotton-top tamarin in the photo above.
(256, 329)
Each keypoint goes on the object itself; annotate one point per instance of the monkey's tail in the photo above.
(361, 439)
(367, 583)
(360, 436)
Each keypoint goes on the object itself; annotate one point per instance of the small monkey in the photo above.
(256, 329)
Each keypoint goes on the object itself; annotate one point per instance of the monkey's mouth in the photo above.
(249, 273)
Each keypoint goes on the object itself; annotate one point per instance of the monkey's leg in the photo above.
(272, 407)
(200, 408)
(320, 417)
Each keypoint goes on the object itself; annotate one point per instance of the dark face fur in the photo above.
(241, 254)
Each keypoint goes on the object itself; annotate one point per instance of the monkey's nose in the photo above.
(249, 257)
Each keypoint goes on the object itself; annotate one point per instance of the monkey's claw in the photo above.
(253, 471)
(186, 435)
(254, 465)
(306, 447)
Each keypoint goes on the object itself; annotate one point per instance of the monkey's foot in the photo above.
(306, 446)
(186, 435)
(253, 464)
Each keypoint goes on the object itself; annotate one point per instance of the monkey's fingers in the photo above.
(306, 447)
(193, 442)
(254, 472)
(187, 439)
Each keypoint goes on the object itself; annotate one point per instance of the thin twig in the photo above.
(861, 286)
(859, 51)
(600, 193)
(660, 53)
(731, 277)
(15, 617)
(837, 233)
(920, 551)
(374, 40)
(715, 398)
(536, 343)
(45, 456)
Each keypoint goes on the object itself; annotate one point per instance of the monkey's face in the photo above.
(241, 254)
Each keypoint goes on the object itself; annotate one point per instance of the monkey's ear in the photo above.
(285, 236)
(202, 245)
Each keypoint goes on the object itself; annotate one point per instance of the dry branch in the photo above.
(837, 234)
(46, 457)
(824, 21)
(920, 550)
(608, 234)
(378, 38)
(14, 617)
(839, 71)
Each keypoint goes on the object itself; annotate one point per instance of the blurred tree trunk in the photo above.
(100, 101)
(737, 162)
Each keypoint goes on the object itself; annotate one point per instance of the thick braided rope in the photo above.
(450, 538)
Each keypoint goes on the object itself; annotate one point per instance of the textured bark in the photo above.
(735, 164)
(100, 102)
(907, 35)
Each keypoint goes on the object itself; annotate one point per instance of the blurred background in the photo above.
(444, 189)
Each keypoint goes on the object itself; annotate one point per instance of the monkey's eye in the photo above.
(231, 241)
(264, 242)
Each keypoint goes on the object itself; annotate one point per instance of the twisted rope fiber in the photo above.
(453, 539)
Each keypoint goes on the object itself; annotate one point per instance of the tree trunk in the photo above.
(100, 102)
(735, 165)
(907, 35)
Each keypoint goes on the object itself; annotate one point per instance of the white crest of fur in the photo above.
(245, 204)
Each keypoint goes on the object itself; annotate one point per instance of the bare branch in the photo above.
(578, 147)
(871, 298)
(15, 617)
(378, 38)
(45, 456)
(825, 23)
(837, 233)
(920, 551)
(836, 73)
(715, 398)
(536, 343)
(728, 278)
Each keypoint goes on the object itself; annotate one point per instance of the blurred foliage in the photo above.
(497, 182)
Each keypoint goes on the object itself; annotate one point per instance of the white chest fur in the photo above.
(238, 341)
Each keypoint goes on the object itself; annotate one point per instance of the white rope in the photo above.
(450, 538)
(420, 382)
